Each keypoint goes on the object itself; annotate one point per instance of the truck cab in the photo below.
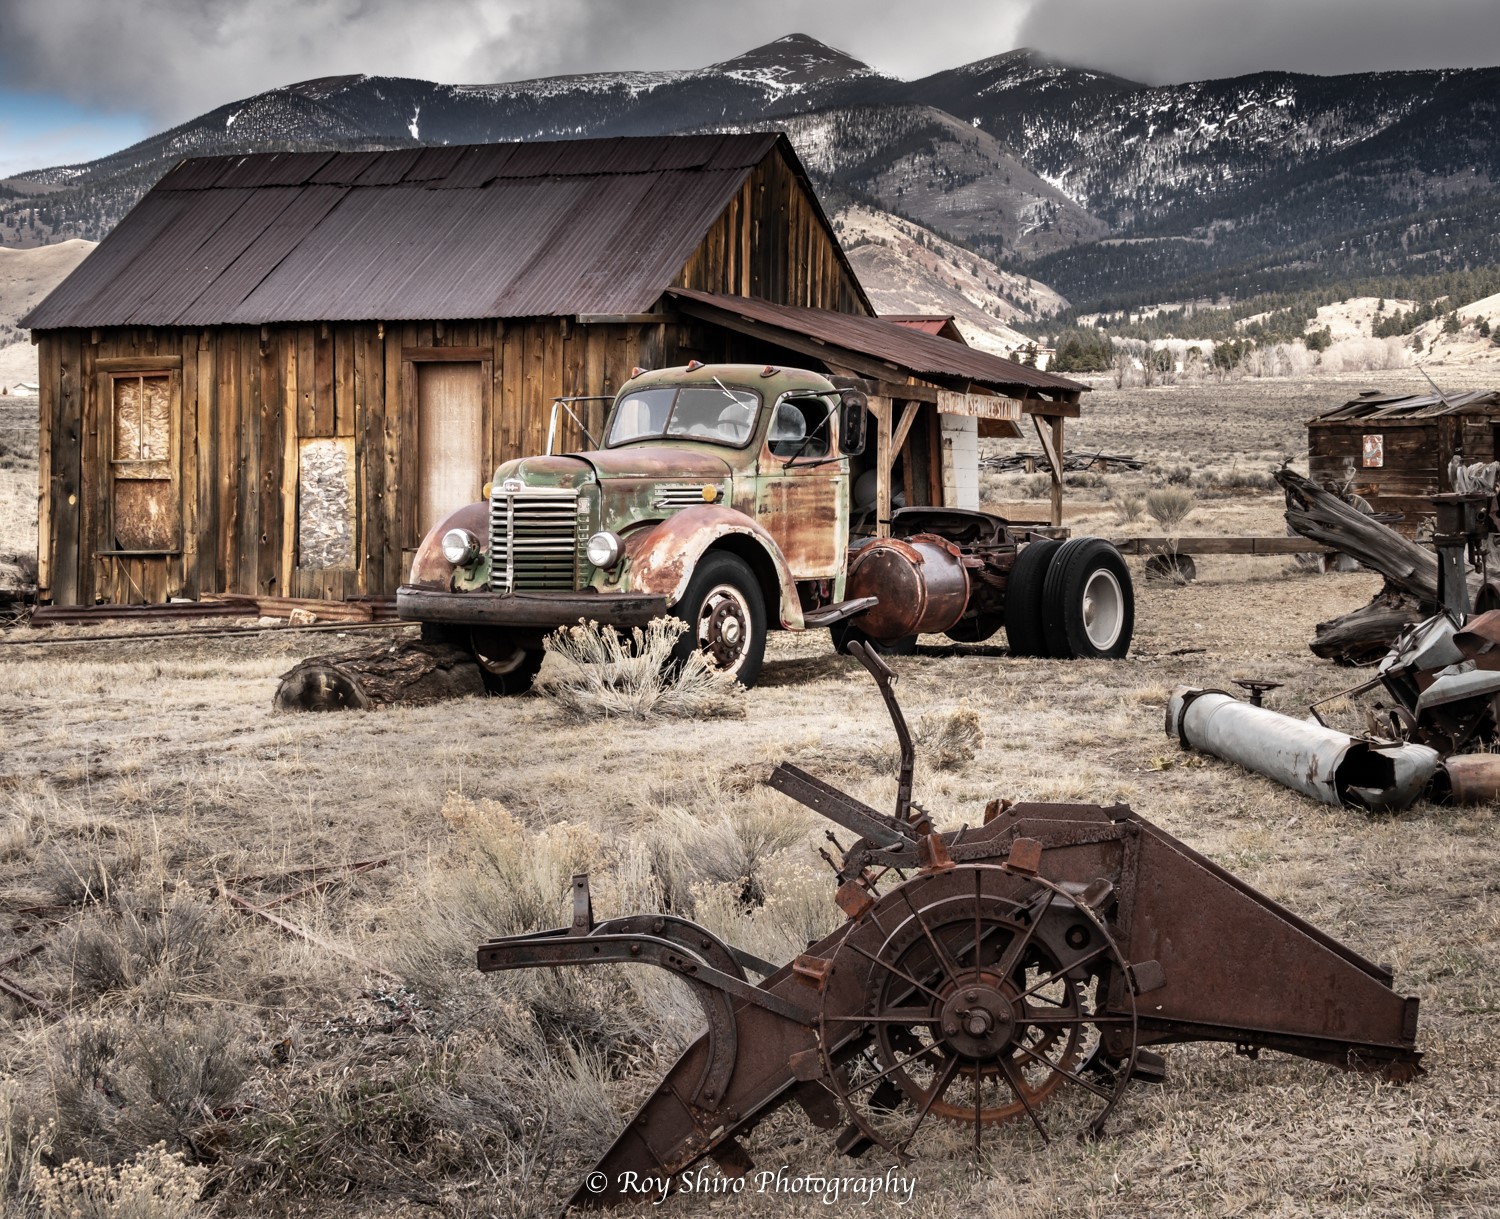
(721, 494)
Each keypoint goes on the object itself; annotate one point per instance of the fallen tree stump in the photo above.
(1365, 635)
(410, 673)
(1324, 517)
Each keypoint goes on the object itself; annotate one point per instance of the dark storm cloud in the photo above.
(1177, 40)
(176, 58)
(171, 59)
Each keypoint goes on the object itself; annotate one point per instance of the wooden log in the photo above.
(1365, 635)
(408, 672)
(1324, 517)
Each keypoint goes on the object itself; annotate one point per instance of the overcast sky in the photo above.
(79, 78)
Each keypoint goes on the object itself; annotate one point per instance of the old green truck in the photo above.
(731, 496)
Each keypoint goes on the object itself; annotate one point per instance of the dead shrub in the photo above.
(1169, 506)
(599, 671)
(1037, 486)
(141, 943)
(123, 1082)
(1128, 508)
(943, 740)
(156, 1184)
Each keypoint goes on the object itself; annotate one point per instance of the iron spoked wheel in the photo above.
(984, 1003)
(725, 616)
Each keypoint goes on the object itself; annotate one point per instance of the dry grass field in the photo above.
(224, 1067)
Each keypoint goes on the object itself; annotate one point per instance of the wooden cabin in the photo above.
(279, 370)
(1394, 450)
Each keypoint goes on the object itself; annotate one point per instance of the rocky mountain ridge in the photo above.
(1116, 193)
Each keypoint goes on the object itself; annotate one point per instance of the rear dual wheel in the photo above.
(1070, 601)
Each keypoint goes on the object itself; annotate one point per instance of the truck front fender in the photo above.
(663, 557)
(430, 569)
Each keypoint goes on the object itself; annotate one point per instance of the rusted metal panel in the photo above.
(559, 227)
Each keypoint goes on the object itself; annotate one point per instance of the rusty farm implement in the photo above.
(1018, 970)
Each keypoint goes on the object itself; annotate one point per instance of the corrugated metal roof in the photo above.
(503, 230)
(1375, 405)
(912, 351)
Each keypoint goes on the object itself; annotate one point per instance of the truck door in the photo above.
(802, 488)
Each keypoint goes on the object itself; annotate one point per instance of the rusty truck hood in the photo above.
(657, 461)
(558, 471)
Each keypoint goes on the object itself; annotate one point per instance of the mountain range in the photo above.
(1115, 193)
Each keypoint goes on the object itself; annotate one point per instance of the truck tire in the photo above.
(1023, 598)
(976, 629)
(845, 633)
(505, 666)
(1088, 602)
(725, 616)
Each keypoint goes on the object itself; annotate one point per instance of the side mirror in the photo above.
(853, 412)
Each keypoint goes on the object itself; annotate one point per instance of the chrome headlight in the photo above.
(460, 547)
(604, 549)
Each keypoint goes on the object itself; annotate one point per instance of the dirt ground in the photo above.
(373, 1072)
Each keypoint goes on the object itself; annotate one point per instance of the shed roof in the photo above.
(489, 230)
(1374, 405)
(941, 324)
(838, 336)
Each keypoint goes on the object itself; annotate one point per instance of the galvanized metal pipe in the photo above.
(1320, 762)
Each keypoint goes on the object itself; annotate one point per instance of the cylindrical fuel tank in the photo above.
(921, 585)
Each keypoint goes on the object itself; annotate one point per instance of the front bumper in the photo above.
(527, 611)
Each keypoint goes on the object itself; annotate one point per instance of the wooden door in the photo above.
(450, 451)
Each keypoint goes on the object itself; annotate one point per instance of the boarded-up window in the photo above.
(325, 503)
(145, 511)
(1374, 451)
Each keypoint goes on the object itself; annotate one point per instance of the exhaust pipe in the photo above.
(1320, 762)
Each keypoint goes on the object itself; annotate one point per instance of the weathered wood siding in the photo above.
(249, 399)
(771, 242)
(1415, 458)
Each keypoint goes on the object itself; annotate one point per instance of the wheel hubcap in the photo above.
(724, 628)
(1103, 609)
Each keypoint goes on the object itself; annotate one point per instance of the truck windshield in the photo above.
(719, 414)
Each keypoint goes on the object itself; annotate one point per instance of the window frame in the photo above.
(140, 368)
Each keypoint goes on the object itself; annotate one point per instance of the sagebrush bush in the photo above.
(1169, 506)
(1036, 486)
(156, 1184)
(599, 671)
(1128, 508)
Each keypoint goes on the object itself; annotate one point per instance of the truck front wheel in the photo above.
(725, 616)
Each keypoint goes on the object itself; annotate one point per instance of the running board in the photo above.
(838, 611)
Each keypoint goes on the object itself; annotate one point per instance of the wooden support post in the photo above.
(884, 457)
(1057, 473)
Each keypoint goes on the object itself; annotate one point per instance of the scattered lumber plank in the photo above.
(1222, 545)
(408, 672)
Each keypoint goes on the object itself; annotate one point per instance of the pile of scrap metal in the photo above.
(1442, 676)
(1016, 970)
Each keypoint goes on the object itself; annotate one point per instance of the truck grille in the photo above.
(534, 541)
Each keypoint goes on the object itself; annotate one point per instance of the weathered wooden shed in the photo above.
(1394, 450)
(279, 370)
